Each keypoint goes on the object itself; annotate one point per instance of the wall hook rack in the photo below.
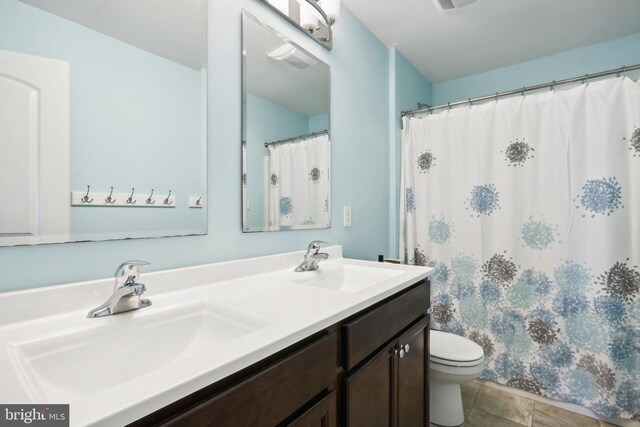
(112, 199)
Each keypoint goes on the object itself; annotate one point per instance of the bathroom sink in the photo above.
(101, 353)
(346, 276)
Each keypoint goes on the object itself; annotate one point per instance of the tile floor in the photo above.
(486, 406)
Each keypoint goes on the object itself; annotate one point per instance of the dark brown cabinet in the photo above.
(413, 383)
(293, 386)
(368, 370)
(368, 393)
(322, 414)
(391, 388)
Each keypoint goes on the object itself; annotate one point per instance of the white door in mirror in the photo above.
(34, 166)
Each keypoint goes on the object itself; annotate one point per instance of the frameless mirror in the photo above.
(286, 153)
(102, 119)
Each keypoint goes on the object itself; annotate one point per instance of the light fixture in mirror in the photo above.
(102, 120)
(315, 17)
(286, 153)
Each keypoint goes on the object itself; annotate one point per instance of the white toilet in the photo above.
(454, 360)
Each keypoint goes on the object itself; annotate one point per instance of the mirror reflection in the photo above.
(102, 119)
(286, 145)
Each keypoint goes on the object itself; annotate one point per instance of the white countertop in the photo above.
(281, 308)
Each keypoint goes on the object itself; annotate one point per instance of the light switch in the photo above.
(347, 216)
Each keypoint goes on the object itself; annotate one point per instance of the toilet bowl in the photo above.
(454, 360)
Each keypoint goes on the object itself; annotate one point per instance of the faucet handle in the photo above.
(128, 272)
(316, 244)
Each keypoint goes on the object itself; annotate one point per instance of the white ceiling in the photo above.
(492, 33)
(303, 91)
(172, 29)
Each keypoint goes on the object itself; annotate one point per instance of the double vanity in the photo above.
(248, 342)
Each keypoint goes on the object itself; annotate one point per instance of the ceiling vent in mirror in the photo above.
(445, 5)
(291, 56)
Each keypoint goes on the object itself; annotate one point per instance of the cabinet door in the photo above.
(369, 392)
(413, 370)
(322, 414)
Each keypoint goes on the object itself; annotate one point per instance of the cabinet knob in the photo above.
(404, 349)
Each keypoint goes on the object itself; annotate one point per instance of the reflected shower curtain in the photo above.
(299, 184)
(529, 210)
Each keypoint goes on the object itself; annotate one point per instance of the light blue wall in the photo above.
(409, 87)
(360, 150)
(590, 59)
(136, 121)
(319, 122)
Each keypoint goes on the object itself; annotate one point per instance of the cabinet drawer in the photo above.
(271, 395)
(322, 414)
(365, 334)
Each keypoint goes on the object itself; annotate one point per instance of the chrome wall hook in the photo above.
(199, 201)
(86, 199)
(167, 201)
(110, 200)
(130, 200)
(150, 200)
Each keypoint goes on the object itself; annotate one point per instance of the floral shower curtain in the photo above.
(299, 184)
(529, 210)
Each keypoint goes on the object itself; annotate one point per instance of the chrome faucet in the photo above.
(312, 257)
(126, 292)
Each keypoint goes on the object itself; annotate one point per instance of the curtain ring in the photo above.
(553, 85)
(523, 89)
(449, 105)
(496, 96)
(585, 78)
(470, 103)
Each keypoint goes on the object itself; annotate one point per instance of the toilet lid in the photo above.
(448, 347)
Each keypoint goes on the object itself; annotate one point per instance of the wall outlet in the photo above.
(347, 216)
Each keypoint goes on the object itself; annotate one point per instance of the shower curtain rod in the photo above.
(296, 138)
(522, 90)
